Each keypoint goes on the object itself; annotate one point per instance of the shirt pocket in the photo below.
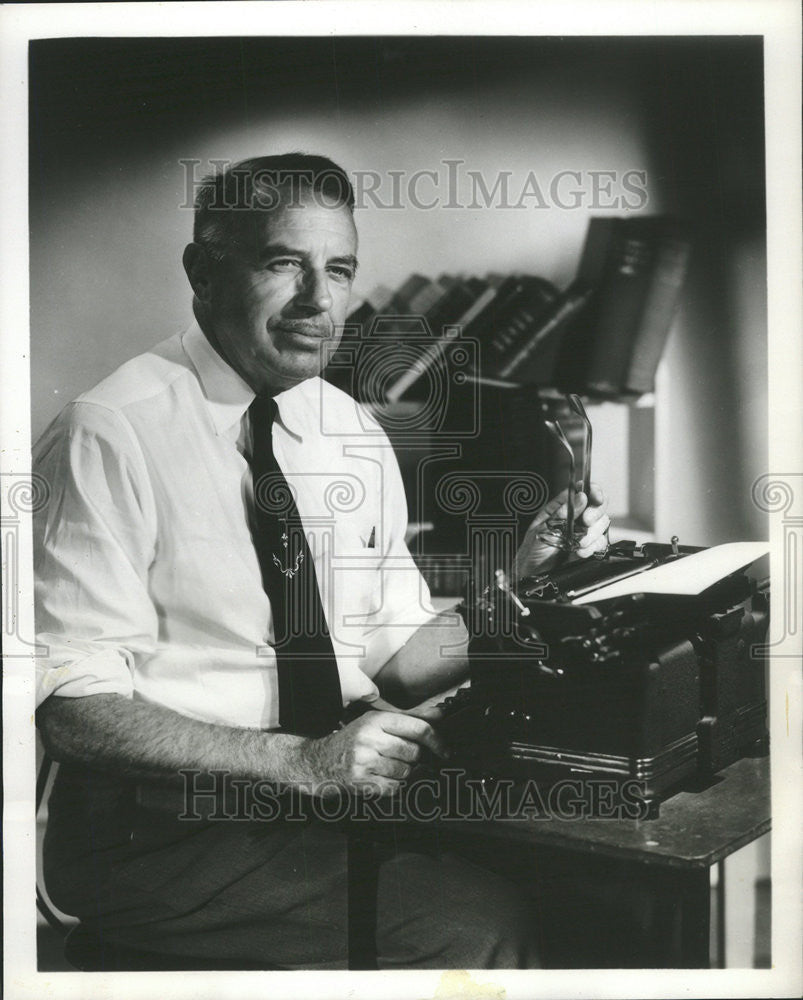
(356, 578)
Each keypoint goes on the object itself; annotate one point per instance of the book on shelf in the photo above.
(571, 363)
(622, 294)
(482, 324)
(512, 326)
(535, 359)
(451, 307)
(445, 321)
(660, 306)
(635, 268)
(376, 326)
(403, 318)
(403, 296)
(428, 296)
(498, 317)
(478, 307)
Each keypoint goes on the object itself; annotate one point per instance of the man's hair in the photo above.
(231, 202)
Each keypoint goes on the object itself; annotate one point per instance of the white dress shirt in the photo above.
(148, 584)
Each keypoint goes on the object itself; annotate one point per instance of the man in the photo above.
(166, 589)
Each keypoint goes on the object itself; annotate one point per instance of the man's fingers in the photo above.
(387, 767)
(596, 529)
(598, 498)
(580, 503)
(409, 727)
(559, 507)
(399, 749)
(556, 501)
(597, 505)
(375, 787)
(550, 510)
(595, 539)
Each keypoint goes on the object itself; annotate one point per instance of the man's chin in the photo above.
(285, 375)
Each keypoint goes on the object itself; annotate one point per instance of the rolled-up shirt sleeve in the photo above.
(93, 544)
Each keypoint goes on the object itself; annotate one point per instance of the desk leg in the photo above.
(682, 922)
(362, 888)
(695, 919)
(720, 914)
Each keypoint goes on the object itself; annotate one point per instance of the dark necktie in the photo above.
(310, 700)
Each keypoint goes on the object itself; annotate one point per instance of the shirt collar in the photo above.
(227, 394)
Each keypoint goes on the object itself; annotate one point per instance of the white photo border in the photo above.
(779, 23)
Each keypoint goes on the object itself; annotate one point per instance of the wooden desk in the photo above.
(696, 827)
(668, 858)
(672, 854)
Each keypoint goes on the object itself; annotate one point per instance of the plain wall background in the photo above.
(112, 119)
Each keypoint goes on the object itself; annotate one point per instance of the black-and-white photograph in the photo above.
(388, 535)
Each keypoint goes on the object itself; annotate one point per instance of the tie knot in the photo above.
(262, 411)
(261, 414)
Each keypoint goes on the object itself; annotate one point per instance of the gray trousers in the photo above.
(119, 857)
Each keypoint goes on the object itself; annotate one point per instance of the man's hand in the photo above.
(372, 755)
(535, 556)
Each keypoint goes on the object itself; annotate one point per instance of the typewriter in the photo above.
(643, 690)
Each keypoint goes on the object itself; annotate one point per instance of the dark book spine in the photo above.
(482, 326)
(662, 299)
(541, 346)
(403, 318)
(477, 309)
(596, 246)
(403, 296)
(571, 365)
(522, 315)
(426, 298)
(461, 299)
(625, 283)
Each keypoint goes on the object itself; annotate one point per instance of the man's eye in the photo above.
(341, 273)
(284, 265)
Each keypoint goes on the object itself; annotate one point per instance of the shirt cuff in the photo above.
(105, 672)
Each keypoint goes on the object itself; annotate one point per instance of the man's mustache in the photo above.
(307, 328)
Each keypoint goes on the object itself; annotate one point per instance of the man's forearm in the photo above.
(142, 740)
(433, 660)
(109, 732)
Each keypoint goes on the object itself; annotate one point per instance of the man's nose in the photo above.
(313, 292)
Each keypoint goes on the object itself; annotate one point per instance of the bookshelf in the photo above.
(466, 374)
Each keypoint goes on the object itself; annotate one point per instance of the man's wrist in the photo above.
(287, 759)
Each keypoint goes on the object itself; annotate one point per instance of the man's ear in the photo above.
(198, 267)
